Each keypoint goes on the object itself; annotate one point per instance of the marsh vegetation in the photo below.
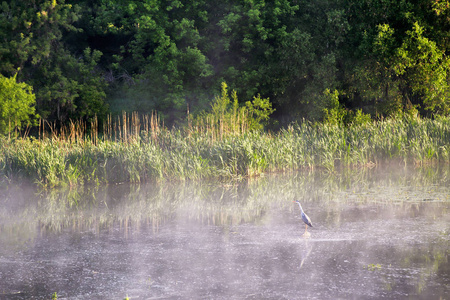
(137, 148)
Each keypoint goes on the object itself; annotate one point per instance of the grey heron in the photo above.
(305, 218)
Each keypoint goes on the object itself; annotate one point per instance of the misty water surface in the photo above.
(378, 233)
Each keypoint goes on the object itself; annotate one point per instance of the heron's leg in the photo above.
(306, 228)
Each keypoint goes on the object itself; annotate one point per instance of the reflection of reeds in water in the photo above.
(131, 207)
(147, 207)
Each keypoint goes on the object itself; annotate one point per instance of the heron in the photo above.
(305, 218)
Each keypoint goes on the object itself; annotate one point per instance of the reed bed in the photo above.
(136, 148)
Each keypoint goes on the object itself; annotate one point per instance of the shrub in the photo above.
(16, 104)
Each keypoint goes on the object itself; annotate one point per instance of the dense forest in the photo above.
(313, 59)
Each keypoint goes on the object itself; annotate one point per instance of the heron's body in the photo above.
(305, 217)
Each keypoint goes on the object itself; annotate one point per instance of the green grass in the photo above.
(178, 154)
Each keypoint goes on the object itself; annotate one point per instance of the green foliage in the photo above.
(387, 58)
(334, 113)
(17, 104)
(402, 66)
(76, 91)
(359, 118)
(427, 69)
(175, 154)
(165, 68)
(269, 48)
(373, 267)
(227, 117)
(259, 111)
(29, 30)
(66, 85)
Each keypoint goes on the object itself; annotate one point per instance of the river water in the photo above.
(378, 233)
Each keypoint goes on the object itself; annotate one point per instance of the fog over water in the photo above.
(378, 233)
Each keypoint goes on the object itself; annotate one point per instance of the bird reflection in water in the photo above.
(306, 251)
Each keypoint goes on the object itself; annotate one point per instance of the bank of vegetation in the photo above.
(64, 60)
(314, 84)
(132, 154)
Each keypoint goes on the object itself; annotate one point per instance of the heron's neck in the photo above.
(300, 206)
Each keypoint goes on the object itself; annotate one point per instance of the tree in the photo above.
(29, 29)
(71, 88)
(161, 59)
(227, 117)
(426, 69)
(400, 49)
(16, 104)
(288, 51)
(33, 38)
